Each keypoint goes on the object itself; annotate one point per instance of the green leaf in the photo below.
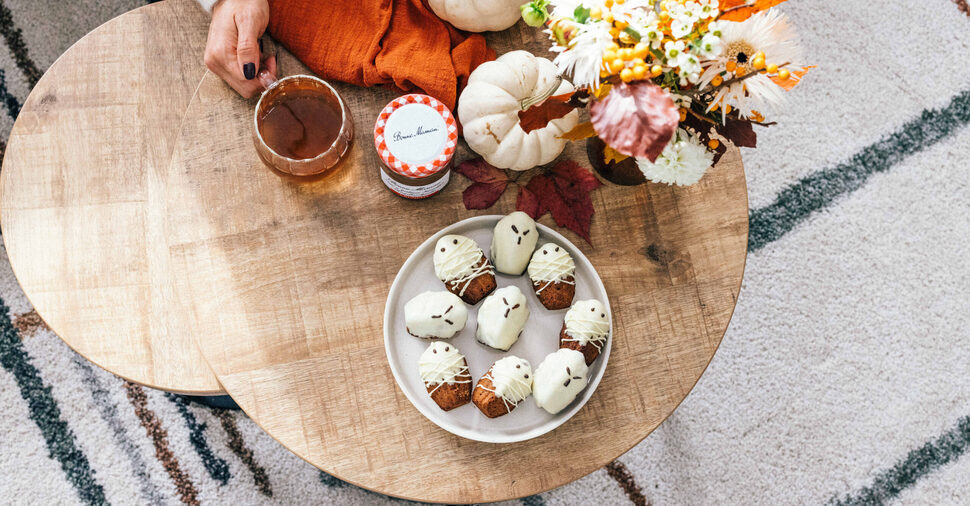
(632, 33)
(581, 14)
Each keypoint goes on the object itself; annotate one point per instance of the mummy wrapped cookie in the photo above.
(559, 379)
(586, 328)
(502, 318)
(551, 271)
(503, 387)
(445, 374)
(513, 241)
(461, 265)
(435, 314)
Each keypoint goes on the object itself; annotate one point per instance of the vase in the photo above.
(625, 172)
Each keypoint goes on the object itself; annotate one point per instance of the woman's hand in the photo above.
(233, 49)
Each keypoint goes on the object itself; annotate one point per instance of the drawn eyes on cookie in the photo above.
(435, 350)
(453, 241)
(449, 322)
(509, 308)
(519, 237)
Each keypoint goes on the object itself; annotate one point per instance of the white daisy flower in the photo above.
(768, 32)
(582, 60)
(683, 161)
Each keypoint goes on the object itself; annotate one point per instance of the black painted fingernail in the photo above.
(249, 70)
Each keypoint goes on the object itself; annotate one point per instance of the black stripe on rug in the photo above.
(217, 468)
(58, 436)
(917, 464)
(10, 102)
(795, 203)
(15, 41)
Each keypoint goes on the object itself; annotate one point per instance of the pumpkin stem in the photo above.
(528, 102)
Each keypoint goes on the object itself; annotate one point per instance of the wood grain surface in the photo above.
(83, 196)
(285, 285)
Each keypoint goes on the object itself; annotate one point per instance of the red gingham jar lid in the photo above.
(415, 135)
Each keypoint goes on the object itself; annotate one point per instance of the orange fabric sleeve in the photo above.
(370, 42)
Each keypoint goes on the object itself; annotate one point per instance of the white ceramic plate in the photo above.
(539, 338)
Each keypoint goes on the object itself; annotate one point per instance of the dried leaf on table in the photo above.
(489, 183)
(636, 119)
(528, 203)
(539, 116)
(564, 193)
(579, 132)
(740, 10)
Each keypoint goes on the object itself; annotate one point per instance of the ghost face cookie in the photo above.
(435, 314)
(503, 387)
(551, 271)
(513, 242)
(586, 328)
(445, 374)
(559, 379)
(461, 265)
(502, 318)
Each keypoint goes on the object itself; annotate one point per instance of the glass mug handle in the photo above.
(266, 78)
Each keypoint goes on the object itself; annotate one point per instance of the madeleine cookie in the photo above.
(551, 271)
(585, 329)
(502, 318)
(503, 387)
(463, 268)
(435, 314)
(445, 374)
(513, 241)
(559, 379)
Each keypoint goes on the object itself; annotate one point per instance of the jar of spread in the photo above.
(415, 136)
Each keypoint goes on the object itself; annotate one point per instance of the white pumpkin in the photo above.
(478, 15)
(488, 110)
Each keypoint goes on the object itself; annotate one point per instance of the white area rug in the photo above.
(843, 376)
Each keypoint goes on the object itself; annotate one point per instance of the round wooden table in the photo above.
(83, 195)
(285, 285)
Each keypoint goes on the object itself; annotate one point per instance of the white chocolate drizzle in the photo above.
(456, 261)
(442, 364)
(587, 323)
(551, 264)
(511, 379)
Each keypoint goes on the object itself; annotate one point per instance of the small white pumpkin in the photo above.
(488, 110)
(478, 15)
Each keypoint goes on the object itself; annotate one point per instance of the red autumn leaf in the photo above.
(636, 119)
(564, 193)
(527, 202)
(483, 195)
(480, 171)
(572, 172)
(539, 116)
(489, 183)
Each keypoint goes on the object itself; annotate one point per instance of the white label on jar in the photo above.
(416, 134)
(414, 192)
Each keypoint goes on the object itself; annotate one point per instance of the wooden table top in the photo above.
(285, 286)
(83, 197)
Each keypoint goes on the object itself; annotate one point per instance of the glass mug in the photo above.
(301, 126)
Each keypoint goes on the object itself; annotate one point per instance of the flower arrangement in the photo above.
(667, 80)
